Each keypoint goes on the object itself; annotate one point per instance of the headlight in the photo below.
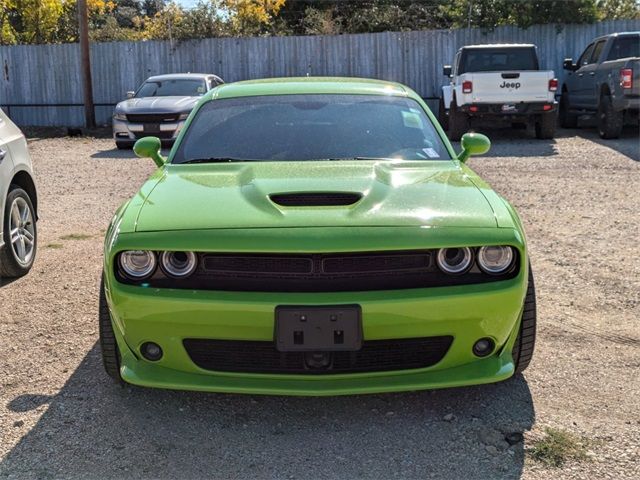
(137, 264)
(178, 264)
(455, 260)
(119, 116)
(495, 260)
(183, 116)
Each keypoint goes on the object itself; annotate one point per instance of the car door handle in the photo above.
(580, 74)
(592, 73)
(3, 153)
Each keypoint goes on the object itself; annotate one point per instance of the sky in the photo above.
(187, 3)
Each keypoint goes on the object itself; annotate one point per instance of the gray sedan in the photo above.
(159, 107)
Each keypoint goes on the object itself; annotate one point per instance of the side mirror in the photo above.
(569, 65)
(446, 70)
(131, 94)
(473, 144)
(149, 147)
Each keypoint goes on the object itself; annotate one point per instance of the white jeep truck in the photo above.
(498, 83)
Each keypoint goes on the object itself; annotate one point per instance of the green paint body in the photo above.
(223, 208)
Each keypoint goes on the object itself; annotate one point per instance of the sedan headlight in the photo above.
(495, 259)
(178, 264)
(455, 260)
(120, 116)
(137, 264)
(184, 116)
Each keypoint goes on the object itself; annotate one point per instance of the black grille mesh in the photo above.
(315, 199)
(152, 117)
(262, 357)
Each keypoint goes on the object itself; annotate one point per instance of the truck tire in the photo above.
(108, 344)
(458, 123)
(567, 119)
(524, 345)
(546, 126)
(443, 118)
(610, 122)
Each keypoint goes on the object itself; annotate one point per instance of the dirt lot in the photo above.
(60, 417)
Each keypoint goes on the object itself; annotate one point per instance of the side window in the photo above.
(597, 51)
(456, 65)
(586, 55)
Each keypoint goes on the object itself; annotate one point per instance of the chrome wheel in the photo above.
(22, 231)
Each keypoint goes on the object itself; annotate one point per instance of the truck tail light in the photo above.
(553, 85)
(467, 86)
(626, 78)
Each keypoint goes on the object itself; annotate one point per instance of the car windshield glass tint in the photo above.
(311, 127)
(625, 47)
(498, 59)
(176, 88)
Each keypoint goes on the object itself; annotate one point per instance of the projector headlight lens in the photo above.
(137, 264)
(495, 260)
(179, 264)
(455, 260)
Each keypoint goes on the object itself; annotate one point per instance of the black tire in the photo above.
(546, 126)
(443, 118)
(567, 119)
(124, 145)
(458, 122)
(526, 340)
(10, 266)
(108, 344)
(610, 122)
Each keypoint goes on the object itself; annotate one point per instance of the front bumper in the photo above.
(168, 316)
(128, 132)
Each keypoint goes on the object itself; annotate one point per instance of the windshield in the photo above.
(311, 127)
(175, 88)
(498, 59)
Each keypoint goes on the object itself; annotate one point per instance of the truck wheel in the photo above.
(567, 119)
(525, 342)
(610, 122)
(546, 126)
(443, 118)
(108, 345)
(458, 122)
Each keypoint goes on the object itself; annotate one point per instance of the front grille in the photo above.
(315, 199)
(153, 117)
(262, 357)
(330, 272)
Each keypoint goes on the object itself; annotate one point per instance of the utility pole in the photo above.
(85, 60)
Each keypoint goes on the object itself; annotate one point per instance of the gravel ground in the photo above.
(60, 417)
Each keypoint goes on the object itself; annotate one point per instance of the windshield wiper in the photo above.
(214, 160)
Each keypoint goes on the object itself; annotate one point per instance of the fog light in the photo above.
(151, 351)
(483, 347)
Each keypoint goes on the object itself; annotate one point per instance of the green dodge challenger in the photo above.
(315, 236)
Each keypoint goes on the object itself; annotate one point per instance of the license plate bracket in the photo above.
(509, 107)
(151, 128)
(318, 328)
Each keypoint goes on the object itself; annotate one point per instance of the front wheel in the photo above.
(525, 342)
(20, 234)
(108, 343)
(610, 122)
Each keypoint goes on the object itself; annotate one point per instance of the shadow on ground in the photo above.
(93, 429)
(628, 144)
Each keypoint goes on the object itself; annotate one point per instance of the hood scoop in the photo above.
(315, 199)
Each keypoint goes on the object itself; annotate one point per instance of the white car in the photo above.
(18, 202)
(498, 83)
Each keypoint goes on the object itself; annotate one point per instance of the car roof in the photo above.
(310, 85)
(180, 76)
(617, 34)
(500, 45)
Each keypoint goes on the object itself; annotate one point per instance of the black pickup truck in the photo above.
(605, 81)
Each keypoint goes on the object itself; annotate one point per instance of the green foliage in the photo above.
(558, 447)
(55, 21)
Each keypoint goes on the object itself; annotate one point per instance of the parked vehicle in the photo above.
(605, 81)
(160, 107)
(315, 236)
(498, 83)
(18, 202)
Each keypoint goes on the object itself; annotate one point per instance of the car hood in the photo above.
(157, 104)
(207, 196)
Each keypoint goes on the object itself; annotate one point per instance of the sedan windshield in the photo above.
(310, 127)
(172, 88)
